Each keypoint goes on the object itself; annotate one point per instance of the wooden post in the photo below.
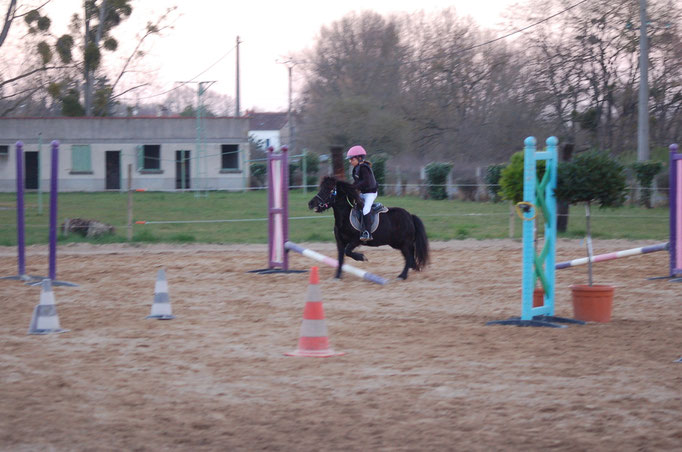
(562, 206)
(337, 162)
(130, 202)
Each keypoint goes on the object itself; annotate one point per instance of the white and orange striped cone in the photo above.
(45, 319)
(313, 340)
(161, 308)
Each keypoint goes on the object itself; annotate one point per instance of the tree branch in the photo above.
(129, 90)
(16, 104)
(29, 73)
(151, 29)
(9, 17)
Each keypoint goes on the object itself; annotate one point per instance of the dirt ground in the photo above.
(422, 371)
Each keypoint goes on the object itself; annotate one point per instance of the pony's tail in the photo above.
(421, 244)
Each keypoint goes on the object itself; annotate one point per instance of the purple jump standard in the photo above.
(54, 193)
(21, 238)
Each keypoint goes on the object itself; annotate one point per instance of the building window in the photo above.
(4, 149)
(229, 157)
(150, 157)
(80, 159)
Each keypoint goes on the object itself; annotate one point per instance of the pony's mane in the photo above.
(342, 186)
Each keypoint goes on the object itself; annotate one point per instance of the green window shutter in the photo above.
(140, 158)
(80, 157)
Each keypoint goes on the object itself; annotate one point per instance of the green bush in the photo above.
(645, 173)
(379, 170)
(592, 177)
(258, 173)
(312, 162)
(293, 167)
(511, 177)
(436, 176)
(492, 179)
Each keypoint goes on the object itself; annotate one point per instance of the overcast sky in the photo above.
(206, 30)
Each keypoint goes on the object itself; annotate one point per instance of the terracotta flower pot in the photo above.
(592, 303)
(538, 296)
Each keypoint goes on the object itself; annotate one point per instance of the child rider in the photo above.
(364, 181)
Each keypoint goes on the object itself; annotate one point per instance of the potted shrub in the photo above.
(591, 178)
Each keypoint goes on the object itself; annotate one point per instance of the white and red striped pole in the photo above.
(291, 246)
(616, 255)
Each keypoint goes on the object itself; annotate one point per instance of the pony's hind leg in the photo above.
(408, 262)
(408, 254)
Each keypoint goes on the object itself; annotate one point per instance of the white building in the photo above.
(94, 153)
(268, 129)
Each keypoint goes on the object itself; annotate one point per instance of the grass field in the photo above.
(444, 220)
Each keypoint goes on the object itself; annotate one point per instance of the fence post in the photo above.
(130, 202)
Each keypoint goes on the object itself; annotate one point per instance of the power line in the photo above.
(499, 38)
(521, 30)
(181, 84)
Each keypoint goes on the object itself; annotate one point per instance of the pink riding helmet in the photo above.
(355, 151)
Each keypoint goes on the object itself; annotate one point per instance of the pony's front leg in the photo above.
(349, 252)
(340, 247)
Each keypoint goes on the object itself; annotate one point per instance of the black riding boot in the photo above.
(366, 226)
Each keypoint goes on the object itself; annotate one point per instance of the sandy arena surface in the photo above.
(421, 371)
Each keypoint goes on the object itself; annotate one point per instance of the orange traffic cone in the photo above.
(313, 340)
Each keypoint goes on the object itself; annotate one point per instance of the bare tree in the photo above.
(354, 85)
(69, 70)
(587, 64)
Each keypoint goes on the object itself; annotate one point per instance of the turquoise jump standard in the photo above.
(538, 197)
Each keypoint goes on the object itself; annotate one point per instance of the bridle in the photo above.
(326, 204)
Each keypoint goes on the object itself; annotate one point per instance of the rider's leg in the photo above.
(366, 226)
(366, 221)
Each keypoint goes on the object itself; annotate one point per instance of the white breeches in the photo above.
(369, 199)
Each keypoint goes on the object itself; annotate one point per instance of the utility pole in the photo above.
(290, 63)
(200, 168)
(237, 113)
(643, 112)
(290, 67)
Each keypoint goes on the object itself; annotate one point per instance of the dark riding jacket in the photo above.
(363, 178)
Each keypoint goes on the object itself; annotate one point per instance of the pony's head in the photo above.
(332, 189)
(326, 195)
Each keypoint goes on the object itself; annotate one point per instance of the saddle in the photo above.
(356, 216)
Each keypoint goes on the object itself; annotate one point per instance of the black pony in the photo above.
(397, 228)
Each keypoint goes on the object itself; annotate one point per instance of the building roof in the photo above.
(267, 121)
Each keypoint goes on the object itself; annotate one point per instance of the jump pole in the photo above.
(291, 246)
(616, 255)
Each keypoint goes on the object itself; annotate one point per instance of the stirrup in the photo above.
(366, 236)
